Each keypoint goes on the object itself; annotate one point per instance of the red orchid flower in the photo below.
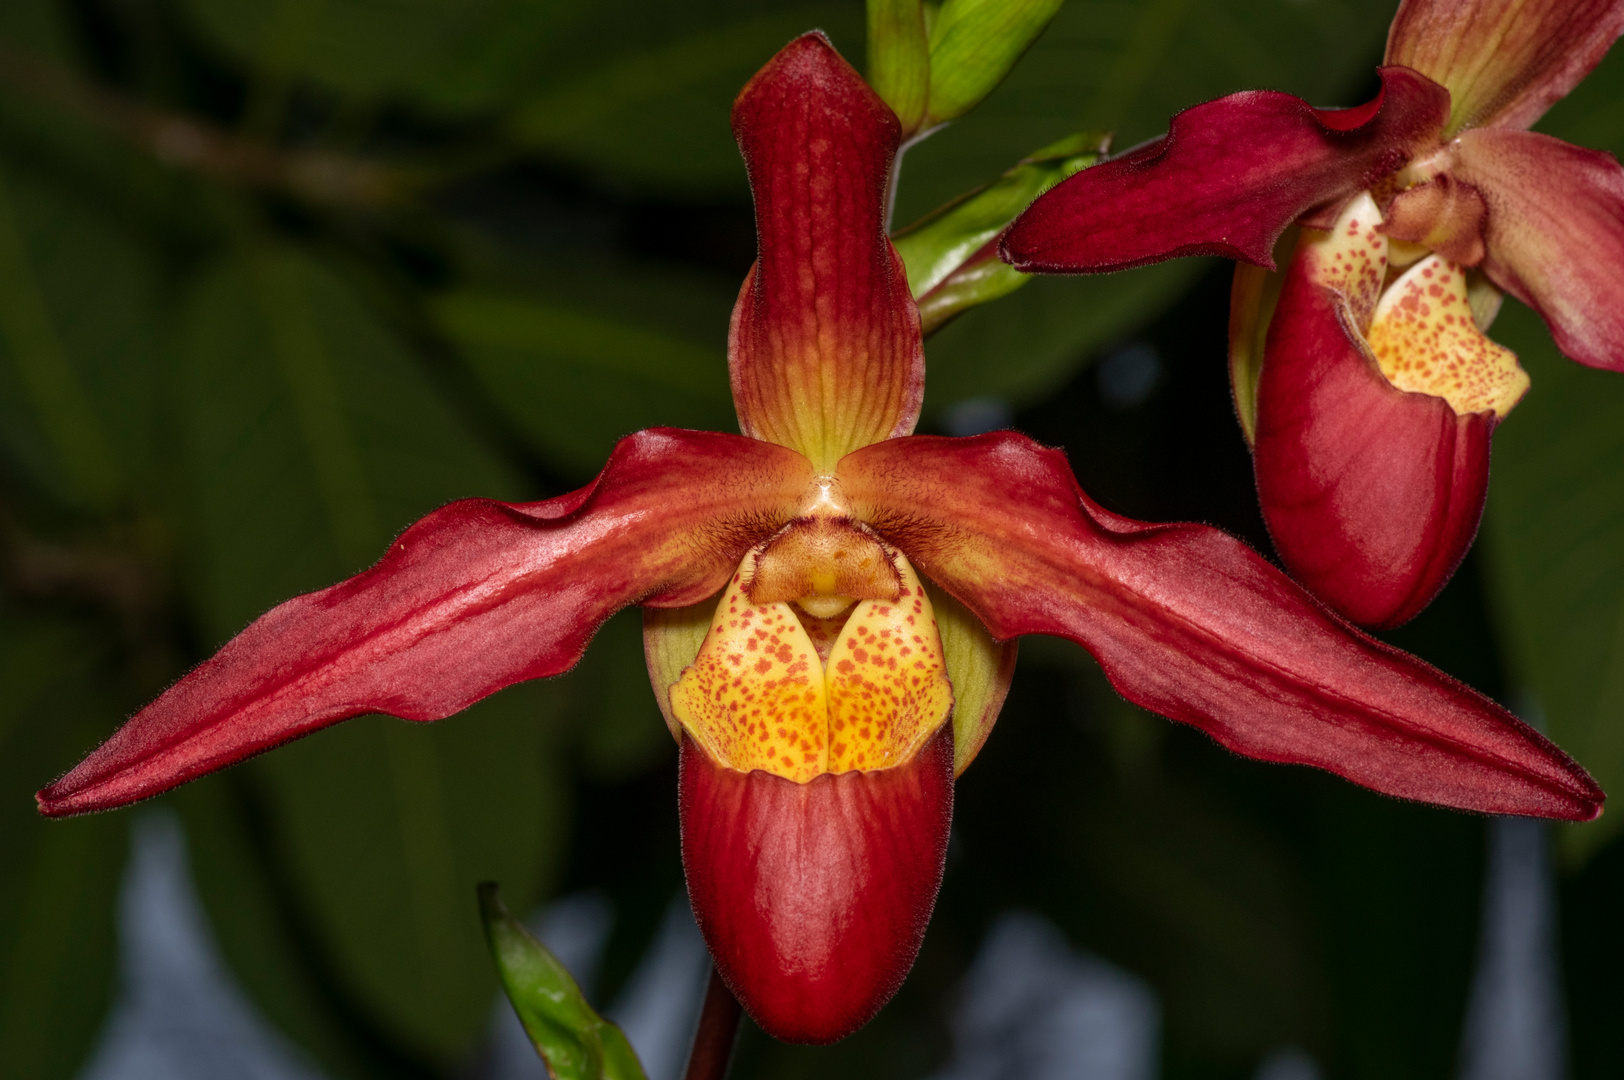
(1378, 393)
(871, 585)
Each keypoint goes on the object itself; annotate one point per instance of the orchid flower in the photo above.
(1362, 375)
(831, 604)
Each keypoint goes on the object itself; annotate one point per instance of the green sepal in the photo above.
(973, 44)
(899, 59)
(951, 254)
(574, 1042)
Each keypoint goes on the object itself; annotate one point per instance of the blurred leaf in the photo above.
(60, 884)
(79, 309)
(312, 437)
(39, 26)
(451, 55)
(574, 1041)
(616, 721)
(1149, 866)
(387, 828)
(1555, 520)
(576, 380)
(1030, 342)
(266, 935)
(952, 263)
(1124, 66)
(973, 45)
(655, 110)
(1555, 530)
(899, 58)
(312, 434)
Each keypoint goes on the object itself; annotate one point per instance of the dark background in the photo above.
(279, 276)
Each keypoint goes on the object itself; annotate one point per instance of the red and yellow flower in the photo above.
(1362, 375)
(831, 604)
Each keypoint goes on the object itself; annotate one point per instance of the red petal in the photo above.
(1504, 62)
(1555, 234)
(1193, 624)
(1227, 179)
(825, 349)
(1372, 495)
(814, 897)
(475, 597)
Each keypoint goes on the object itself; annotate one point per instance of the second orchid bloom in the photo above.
(830, 605)
(1362, 374)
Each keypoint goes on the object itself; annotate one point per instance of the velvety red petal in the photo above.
(1555, 234)
(824, 350)
(814, 897)
(1226, 179)
(1372, 495)
(1193, 624)
(1504, 62)
(475, 597)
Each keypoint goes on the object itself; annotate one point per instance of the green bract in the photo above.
(950, 254)
(573, 1040)
(973, 44)
(899, 58)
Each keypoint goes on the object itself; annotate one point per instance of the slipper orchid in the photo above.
(871, 584)
(1362, 375)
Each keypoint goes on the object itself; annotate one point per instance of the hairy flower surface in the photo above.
(1370, 398)
(830, 610)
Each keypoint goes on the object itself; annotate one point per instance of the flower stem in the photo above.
(717, 1032)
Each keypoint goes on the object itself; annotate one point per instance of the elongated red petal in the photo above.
(1372, 495)
(814, 897)
(824, 350)
(1226, 179)
(1193, 624)
(1504, 62)
(475, 597)
(1555, 233)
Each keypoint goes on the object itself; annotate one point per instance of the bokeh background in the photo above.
(279, 276)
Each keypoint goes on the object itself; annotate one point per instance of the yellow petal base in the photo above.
(760, 696)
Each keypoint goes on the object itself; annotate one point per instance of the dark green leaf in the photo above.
(574, 1041)
(653, 105)
(452, 55)
(612, 710)
(79, 312)
(1555, 532)
(60, 884)
(1030, 342)
(312, 436)
(387, 827)
(266, 932)
(576, 380)
(1555, 521)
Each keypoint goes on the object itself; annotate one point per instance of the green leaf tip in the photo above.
(951, 254)
(574, 1042)
(973, 45)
